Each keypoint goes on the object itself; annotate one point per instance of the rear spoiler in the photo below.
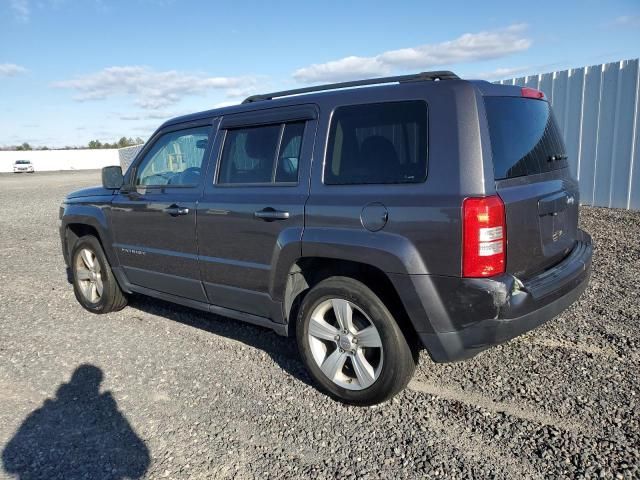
(488, 89)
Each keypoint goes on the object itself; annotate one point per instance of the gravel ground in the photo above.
(161, 391)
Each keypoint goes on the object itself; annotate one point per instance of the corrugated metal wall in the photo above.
(597, 110)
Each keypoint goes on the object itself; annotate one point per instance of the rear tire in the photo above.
(351, 344)
(94, 285)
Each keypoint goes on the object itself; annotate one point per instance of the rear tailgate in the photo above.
(533, 180)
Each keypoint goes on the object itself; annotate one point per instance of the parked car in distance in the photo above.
(414, 212)
(23, 166)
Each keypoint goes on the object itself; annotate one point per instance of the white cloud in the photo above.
(469, 47)
(11, 70)
(501, 73)
(21, 10)
(132, 117)
(151, 89)
(242, 92)
(226, 103)
(346, 68)
(149, 115)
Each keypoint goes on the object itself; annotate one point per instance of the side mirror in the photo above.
(112, 177)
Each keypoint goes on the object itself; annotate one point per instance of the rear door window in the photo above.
(248, 155)
(525, 139)
(378, 143)
(262, 155)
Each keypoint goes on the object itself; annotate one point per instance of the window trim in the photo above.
(270, 116)
(283, 124)
(328, 134)
(274, 167)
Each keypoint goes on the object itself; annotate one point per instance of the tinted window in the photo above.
(378, 143)
(174, 159)
(249, 154)
(525, 138)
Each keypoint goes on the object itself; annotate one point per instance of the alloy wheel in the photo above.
(89, 276)
(345, 344)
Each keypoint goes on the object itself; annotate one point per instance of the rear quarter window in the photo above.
(525, 139)
(377, 143)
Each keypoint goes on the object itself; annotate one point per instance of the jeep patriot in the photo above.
(414, 212)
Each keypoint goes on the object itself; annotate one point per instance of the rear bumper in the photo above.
(471, 315)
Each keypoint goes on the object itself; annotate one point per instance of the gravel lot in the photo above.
(158, 390)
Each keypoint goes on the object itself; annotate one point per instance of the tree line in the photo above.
(93, 144)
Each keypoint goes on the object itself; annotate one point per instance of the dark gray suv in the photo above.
(421, 211)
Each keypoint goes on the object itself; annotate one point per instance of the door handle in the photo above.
(270, 214)
(176, 211)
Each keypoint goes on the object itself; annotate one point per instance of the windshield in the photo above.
(525, 138)
(23, 162)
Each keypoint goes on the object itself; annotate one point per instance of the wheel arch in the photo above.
(306, 272)
(80, 220)
(76, 230)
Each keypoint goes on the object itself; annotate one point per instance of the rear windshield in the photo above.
(525, 138)
(23, 162)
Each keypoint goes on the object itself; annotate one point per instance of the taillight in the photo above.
(529, 92)
(484, 237)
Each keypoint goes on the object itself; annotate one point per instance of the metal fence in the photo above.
(597, 110)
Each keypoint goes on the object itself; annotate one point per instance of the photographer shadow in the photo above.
(78, 434)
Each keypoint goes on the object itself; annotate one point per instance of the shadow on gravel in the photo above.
(282, 350)
(78, 434)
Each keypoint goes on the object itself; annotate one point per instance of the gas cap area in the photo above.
(374, 216)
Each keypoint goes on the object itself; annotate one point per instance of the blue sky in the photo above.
(76, 70)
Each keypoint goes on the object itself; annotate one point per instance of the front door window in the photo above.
(175, 159)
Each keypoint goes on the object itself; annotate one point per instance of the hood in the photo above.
(97, 191)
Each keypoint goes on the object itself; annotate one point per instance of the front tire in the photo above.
(351, 344)
(94, 285)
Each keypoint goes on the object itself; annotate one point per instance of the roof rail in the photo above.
(416, 77)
